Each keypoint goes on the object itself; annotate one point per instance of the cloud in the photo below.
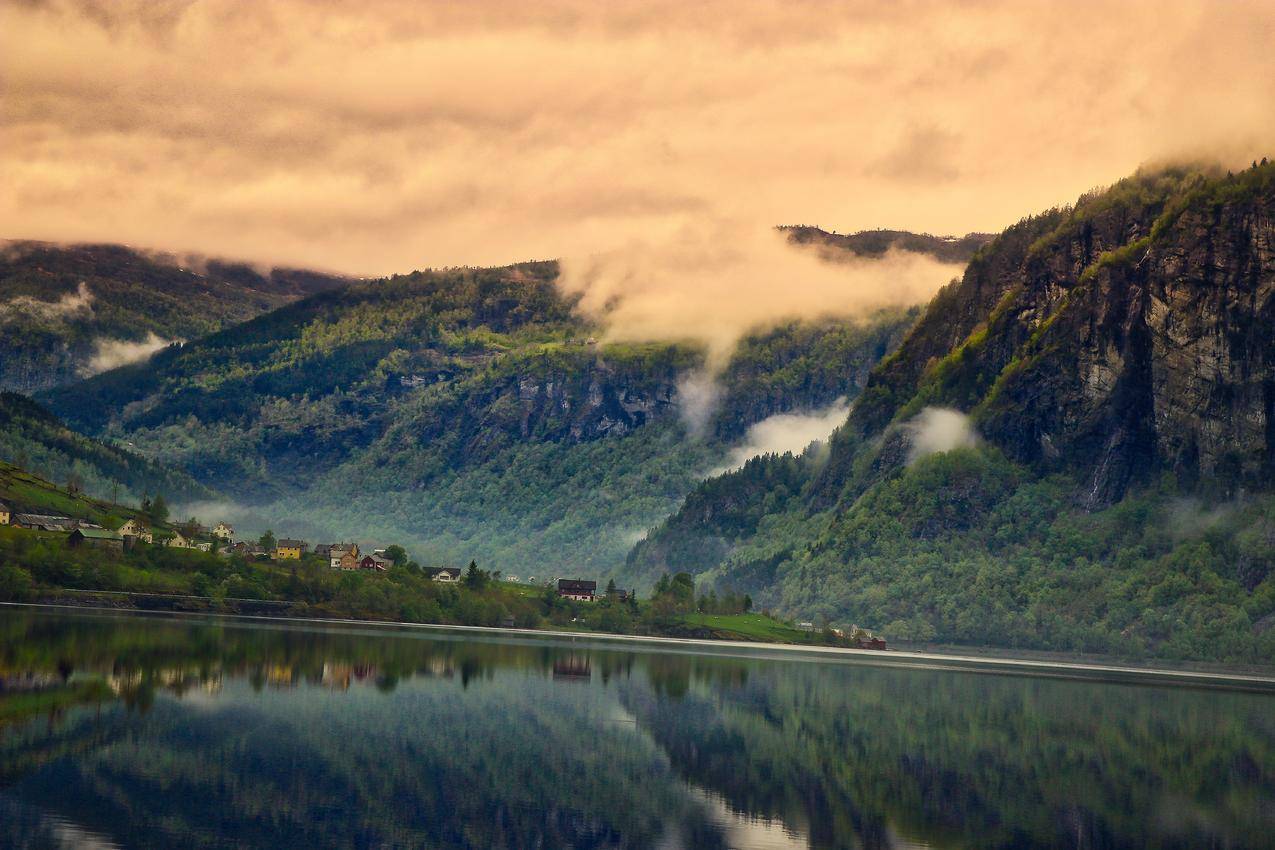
(387, 135)
(787, 432)
(111, 353)
(697, 395)
(715, 281)
(939, 429)
(70, 305)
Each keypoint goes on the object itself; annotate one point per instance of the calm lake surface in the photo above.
(132, 731)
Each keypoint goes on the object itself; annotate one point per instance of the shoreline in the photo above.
(973, 663)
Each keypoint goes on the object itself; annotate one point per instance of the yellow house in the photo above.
(4, 514)
(136, 528)
(178, 541)
(289, 550)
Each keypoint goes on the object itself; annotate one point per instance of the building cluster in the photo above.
(83, 532)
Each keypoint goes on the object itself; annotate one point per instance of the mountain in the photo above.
(877, 243)
(34, 439)
(71, 310)
(470, 413)
(1072, 449)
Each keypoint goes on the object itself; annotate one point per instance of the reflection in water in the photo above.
(132, 731)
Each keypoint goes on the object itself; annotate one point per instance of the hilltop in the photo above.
(71, 310)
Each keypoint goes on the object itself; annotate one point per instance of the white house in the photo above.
(224, 530)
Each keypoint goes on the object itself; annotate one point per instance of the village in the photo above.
(220, 540)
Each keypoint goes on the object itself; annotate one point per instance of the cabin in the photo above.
(224, 530)
(288, 549)
(136, 528)
(97, 538)
(579, 590)
(5, 515)
(375, 562)
(447, 575)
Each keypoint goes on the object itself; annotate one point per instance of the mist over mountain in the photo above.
(1023, 470)
(67, 311)
(471, 413)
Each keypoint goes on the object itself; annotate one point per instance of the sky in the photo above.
(383, 136)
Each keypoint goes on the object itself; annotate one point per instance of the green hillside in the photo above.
(1105, 481)
(69, 310)
(467, 412)
(34, 439)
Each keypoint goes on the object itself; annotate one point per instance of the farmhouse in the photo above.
(343, 556)
(578, 589)
(447, 575)
(375, 562)
(136, 528)
(288, 549)
(98, 538)
(178, 541)
(224, 530)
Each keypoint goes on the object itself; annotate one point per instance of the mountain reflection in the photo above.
(144, 731)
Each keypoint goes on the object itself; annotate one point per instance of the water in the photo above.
(128, 731)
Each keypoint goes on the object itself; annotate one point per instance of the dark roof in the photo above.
(290, 543)
(575, 585)
(433, 571)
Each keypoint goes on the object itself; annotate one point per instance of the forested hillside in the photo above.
(471, 413)
(71, 310)
(1072, 449)
(33, 439)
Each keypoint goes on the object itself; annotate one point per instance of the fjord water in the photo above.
(132, 731)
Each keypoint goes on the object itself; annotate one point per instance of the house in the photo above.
(98, 538)
(44, 522)
(578, 589)
(448, 575)
(202, 545)
(288, 549)
(136, 528)
(323, 550)
(343, 556)
(178, 541)
(224, 530)
(4, 514)
(375, 562)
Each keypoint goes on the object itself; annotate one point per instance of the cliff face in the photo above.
(1130, 336)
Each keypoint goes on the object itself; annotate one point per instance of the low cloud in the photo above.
(697, 395)
(112, 353)
(939, 429)
(787, 432)
(713, 282)
(70, 305)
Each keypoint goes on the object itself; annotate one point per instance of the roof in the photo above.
(575, 585)
(433, 571)
(97, 534)
(289, 543)
(3, 506)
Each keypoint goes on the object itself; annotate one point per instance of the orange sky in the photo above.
(382, 136)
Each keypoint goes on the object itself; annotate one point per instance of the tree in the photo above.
(268, 541)
(397, 554)
(159, 510)
(748, 603)
(475, 579)
(611, 591)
